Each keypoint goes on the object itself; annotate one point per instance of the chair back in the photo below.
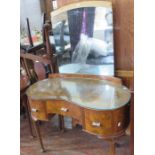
(36, 67)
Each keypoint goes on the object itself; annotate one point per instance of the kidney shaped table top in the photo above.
(101, 106)
(85, 92)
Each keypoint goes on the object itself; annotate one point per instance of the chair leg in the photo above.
(37, 129)
(28, 116)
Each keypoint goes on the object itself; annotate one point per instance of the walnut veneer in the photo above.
(100, 105)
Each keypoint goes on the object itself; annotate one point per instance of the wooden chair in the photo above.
(31, 48)
(37, 68)
(24, 84)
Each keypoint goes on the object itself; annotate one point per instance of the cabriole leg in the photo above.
(29, 118)
(36, 124)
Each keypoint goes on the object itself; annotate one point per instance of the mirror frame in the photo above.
(89, 3)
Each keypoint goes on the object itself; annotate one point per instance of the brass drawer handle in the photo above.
(119, 124)
(64, 109)
(34, 110)
(96, 124)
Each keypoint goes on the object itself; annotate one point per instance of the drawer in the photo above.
(38, 110)
(98, 122)
(121, 118)
(64, 108)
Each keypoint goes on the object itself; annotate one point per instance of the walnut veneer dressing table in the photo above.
(98, 103)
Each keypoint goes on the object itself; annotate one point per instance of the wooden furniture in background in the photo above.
(38, 68)
(34, 70)
(59, 98)
(35, 66)
(31, 48)
(29, 32)
(24, 84)
(48, 58)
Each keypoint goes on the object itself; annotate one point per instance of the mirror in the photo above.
(83, 38)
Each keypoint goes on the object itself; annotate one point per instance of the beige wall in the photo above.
(32, 10)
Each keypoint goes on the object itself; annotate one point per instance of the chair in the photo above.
(36, 68)
(24, 84)
(31, 48)
(33, 68)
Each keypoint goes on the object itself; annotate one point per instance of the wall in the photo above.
(32, 10)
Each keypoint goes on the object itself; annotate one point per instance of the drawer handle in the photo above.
(34, 110)
(96, 124)
(64, 109)
(119, 124)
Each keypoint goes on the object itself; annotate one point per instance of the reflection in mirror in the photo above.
(83, 38)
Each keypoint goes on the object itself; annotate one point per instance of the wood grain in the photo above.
(113, 122)
(123, 34)
(40, 107)
(100, 77)
(56, 105)
(81, 4)
(106, 124)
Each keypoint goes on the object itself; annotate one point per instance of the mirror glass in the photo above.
(83, 38)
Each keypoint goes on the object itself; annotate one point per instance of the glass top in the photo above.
(85, 92)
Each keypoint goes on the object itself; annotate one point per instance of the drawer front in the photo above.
(38, 110)
(121, 119)
(64, 108)
(98, 122)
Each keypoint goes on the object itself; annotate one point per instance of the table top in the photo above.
(87, 69)
(86, 92)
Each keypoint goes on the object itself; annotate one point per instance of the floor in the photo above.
(72, 142)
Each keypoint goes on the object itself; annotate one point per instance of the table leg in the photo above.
(61, 123)
(112, 150)
(39, 135)
(28, 116)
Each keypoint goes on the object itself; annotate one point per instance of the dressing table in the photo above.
(88, 92)
(100, 103)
